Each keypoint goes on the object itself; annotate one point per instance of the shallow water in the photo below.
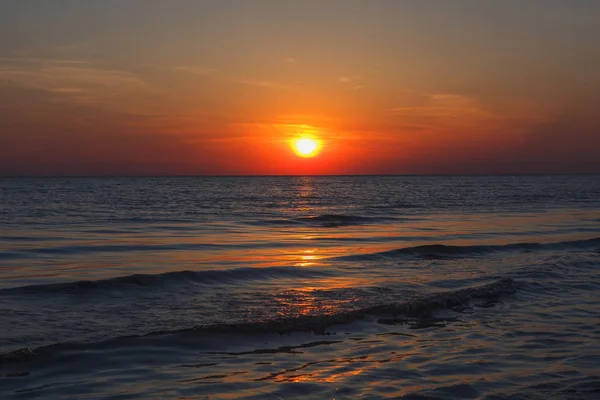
(312, 287)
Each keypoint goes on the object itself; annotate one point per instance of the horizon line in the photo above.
(293, 176)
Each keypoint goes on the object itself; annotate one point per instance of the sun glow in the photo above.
(306, 146)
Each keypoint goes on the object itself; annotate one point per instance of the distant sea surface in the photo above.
(370, 287)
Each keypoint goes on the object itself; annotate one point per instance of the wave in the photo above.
(417, 308)
(447, 251)
(177, 277)
(328, 220)
(114, 248)
(25, 239)
(33, 252)
(335, 220)
(435, 251)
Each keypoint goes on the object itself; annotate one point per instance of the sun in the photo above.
(306, 146)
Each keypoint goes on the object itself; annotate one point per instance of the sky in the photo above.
(221, 87)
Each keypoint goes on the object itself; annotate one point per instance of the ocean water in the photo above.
(300, 287)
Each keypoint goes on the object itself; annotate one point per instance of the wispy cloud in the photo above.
(447, 111)
(68, 90)
(42, 61)
(266, 84)
(354, 82)
(74, 81)
(51, 78)
(196, 70)
(445, 105)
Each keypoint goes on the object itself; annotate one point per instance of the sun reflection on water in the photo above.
(315, 300)
(308, 258)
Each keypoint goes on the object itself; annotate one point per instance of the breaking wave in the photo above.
(447, 251)
(416, 308)
(177, 277)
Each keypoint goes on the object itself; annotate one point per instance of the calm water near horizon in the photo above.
(421, 287)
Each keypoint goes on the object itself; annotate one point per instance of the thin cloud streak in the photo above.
(80, 83)
(266, 84)
(196, 70)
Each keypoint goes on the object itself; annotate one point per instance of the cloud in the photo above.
(74, 81)
(266, 84)
(355, 82)
(79, 77)
(445, 105)
(462, 115)
(196, 70)
(67, 90)
(43, 61)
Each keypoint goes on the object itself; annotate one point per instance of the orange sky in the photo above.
(220, 87)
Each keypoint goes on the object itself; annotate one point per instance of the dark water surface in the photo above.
(300, 287)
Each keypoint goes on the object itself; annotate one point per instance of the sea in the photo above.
(333, 287)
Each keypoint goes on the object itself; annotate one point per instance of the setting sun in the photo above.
(306, 147)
